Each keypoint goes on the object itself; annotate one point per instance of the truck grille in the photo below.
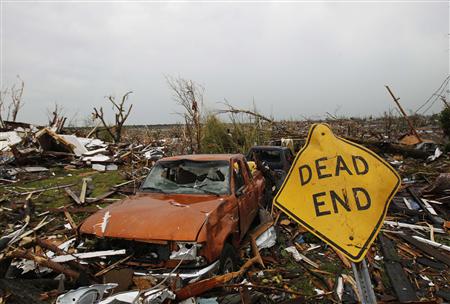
(142, 252)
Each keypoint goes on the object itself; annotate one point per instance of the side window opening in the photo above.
(249, 172)
(238, 176)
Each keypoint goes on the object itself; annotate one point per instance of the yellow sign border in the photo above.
(360, 256)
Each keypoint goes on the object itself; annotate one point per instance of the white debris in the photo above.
(312, 247)
(300, 257)
(434, 244)
(86, 294)
(154, 154)
(429, 207)
(340, 288)
(105, 221)
(412, 226)
(78, 147)
(319, 291)
(91, 143)
(122, 297)
(102, 168)
(407, 203)
(96, 151)
(8, 139)
(100, 158)
(29, 265)
(86, 255)
(30, 169)
(267, 239)
(430, 283)
(437, 154)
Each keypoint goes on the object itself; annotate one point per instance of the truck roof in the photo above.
(199, 157)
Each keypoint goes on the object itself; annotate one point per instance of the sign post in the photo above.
(340, 191)
(363, 283)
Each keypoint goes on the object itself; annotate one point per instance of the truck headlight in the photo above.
(185, 251)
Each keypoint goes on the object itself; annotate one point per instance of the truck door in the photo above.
(245, 196)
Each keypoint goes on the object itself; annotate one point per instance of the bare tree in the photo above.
(249, 127)
(233, 110)
(56, 118)
(121, 115)
(16, 99)
(15, 104)
(189, 95)
(3, 95)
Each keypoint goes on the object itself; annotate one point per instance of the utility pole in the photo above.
(404, 114)
(444, 101)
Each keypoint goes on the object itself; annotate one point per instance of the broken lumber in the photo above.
(202, 286)
(87, 255)
(400, 282)
(428, 249)
(434, 218)
(26, 254)
(431, 243)
(73, 195)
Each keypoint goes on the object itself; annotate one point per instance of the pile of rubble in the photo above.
(22, 146)
(42, 261)
(281, 262)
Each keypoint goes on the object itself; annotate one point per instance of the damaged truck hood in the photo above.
(153, 216)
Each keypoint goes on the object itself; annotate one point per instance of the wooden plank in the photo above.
(343, 259)
(83, 191)
(400, 282)
(25, 254)
(70, 219)
(101, 197)
(429, 250)
(431, 263)
(434, 218)
(73, 195)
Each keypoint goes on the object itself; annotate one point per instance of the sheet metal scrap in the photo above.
(85, 295)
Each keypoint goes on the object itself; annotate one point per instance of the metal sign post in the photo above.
(334, 182)
(363, 282)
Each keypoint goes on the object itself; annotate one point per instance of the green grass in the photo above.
(443, 239)
(331, 266)
(101, 181)
(302, 284)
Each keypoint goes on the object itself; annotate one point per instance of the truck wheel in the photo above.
(228, 261)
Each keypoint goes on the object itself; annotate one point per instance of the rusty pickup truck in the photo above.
(190, 215)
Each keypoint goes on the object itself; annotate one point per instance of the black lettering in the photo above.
(336, 198)
(319, 168)
(317, 204)
(341, 165)
(358, 202)
(303, 180)
(358, 171)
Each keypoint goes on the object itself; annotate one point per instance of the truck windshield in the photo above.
(189, 177)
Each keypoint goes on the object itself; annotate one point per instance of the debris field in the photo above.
(53, 178)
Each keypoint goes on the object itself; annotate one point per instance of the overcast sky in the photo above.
(293, 59)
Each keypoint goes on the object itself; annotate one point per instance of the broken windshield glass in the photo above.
(189, 177)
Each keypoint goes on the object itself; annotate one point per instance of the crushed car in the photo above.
(188, 218)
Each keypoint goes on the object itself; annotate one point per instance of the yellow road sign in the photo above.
(338, 190)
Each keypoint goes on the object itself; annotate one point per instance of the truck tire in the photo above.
(228, 260)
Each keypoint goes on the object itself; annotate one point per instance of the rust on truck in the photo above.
(188, 209)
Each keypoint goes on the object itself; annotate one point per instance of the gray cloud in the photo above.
(293, 58)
